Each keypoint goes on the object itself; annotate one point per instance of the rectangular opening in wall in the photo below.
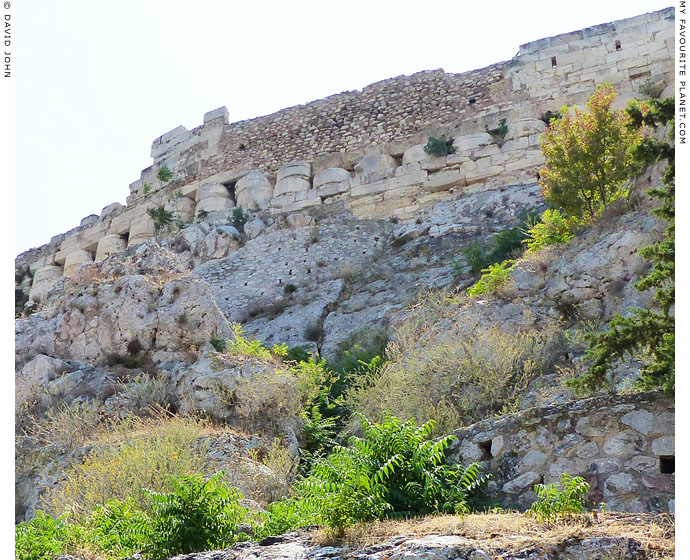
(618, 45)
(667, 464)
(485, 446)
(230, 185)
(553, 62)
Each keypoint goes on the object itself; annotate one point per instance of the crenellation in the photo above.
(361, 152)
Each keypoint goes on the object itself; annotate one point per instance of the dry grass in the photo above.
(513, 532)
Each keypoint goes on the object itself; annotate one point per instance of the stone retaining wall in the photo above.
(624, 446)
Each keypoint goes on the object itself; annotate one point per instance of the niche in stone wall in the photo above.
(667, 464)
(618, 45)
(230, 185)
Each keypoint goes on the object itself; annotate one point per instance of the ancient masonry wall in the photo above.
(364, 150)
(623, 446)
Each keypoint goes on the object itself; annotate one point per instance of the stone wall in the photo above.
(363, 151)
(623, 445)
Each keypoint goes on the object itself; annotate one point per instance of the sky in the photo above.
(97, 82)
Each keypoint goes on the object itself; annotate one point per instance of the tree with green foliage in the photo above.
(560, 500)
(164, 174)
(162, 219)
(589, 156)
(646, 334)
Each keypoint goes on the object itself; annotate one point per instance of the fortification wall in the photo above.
(364, 150)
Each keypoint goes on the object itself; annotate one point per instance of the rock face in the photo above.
(296, 546)
(140, 304)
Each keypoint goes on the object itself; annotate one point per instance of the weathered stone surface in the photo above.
(375, 163)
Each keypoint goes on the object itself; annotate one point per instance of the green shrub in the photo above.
(118, 528)
(589, 156)
(43, 537)
(553, 228)
(239, 219)
(283, 516)
(297, 354)
(500, 131)
(245, 346)
(560, 500)
(494, 276)
(393, 469)
(476, 256)
(194, 516)
(550, 116)
(438, 147)
(218, 343)
(164, 175)
(162, 219)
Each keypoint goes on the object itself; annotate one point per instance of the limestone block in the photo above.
(374, 163)
(416, 154)
(254, 190)
(524, 127)
(444, 180)
(111, 209)
(370, 188)
(297, 168)
(212, 190)
(254, 228)
(74, 260)
(141, 230)
(220, 113)
(290, 203)
(291, 184)
(525, 480)
(164, 143)
(532, 158)
(477, 175)
(44, 279)
(110, 245)
(661, 446)
(183, 206)
(640, 420)
(215, 204)
(471, 142)
(120, 224)
(521, 143)
(88, 220)
(332, 181)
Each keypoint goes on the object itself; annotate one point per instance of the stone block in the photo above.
(89, 220)
(619, 483)
(331, 182)
(292, 184)
(74, 260)
(254, 191)
(370, 188)
(297, 168)
(110, 245)
(416, 154)
(524, 127)
(111, 209)
(444, 180)
(640, 420)
(220, 113)
(141, 230)
(212, 190)
(524, 481)
(375, 163)
(664, 446)
(215, 204)
(477, 175)
(465, 144)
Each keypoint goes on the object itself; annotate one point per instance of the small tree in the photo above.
(438, 147)
(647, 334)
(162, 219)
(164, 174)
(589, 156)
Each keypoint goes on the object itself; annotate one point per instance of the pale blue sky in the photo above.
(96, 82)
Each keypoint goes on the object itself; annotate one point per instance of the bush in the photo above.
(154, 448)
(553, 228)
(494, 276)
(219, 344)
(457, 379)
(246, 347)
(393, 469)
(562, 500)
(438, 147)
(164, 175)
(239, 218)
(194, 516)
(589, 157)
(500, 131)
(43, 537)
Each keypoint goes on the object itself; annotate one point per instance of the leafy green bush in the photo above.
(438, 147)
(164, 175)
(494, 276)
(589, 156)
(560, 500)
(281, 517)
(194, 516)
(239, 219)
(393, 469)
(245, 346)
(43, 537)
(552, 229)
(218, 343)
(476, 256)
(118, 528)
